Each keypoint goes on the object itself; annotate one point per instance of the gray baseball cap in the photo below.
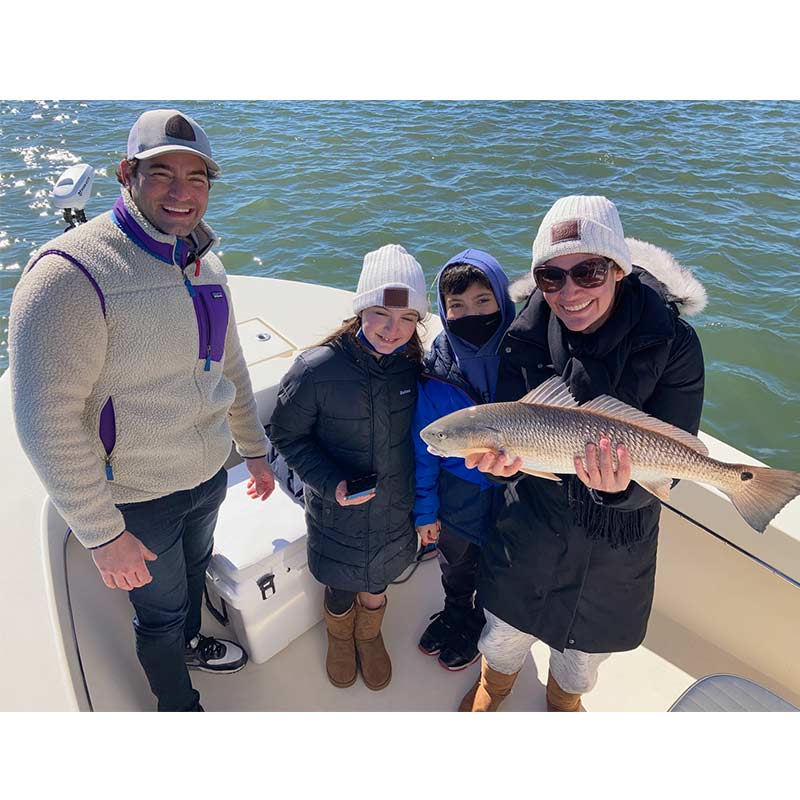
(165, 130)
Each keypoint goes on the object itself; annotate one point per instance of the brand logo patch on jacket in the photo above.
(565, 231)
(405, 391)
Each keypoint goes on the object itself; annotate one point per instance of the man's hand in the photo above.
(495, 463)
(341, 499)
(429, 534)
(599, 474)
(121, 563)
(262, 481)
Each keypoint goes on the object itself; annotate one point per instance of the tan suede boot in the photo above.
(340, 662)
(490, 690)
(376, 668)
(559, 700)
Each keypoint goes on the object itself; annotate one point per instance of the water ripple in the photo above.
(309, 187)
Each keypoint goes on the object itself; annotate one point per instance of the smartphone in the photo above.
(360, 487)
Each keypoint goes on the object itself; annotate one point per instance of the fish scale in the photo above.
(547, 428)
(552, 437)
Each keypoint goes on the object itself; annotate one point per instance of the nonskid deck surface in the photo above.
(649, 678)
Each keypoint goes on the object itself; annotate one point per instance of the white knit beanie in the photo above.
(391, 277)
(582, 224)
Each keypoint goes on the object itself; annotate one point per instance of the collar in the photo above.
(165, 247)
(366, 342)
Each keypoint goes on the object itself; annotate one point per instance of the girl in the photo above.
(344, 414)
(573, 563)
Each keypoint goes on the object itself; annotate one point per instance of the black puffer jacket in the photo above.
(543, 570)
(341, 414)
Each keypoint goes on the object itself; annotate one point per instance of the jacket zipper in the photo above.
(207, 367)
(108, 466)
(371, 457)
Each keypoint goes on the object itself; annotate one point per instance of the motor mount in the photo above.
(72, 191)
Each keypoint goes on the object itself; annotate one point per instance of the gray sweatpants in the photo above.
(505, 648)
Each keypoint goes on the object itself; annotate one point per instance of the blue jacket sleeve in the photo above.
(426, 503)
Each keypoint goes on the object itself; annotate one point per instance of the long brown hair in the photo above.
(350, 327)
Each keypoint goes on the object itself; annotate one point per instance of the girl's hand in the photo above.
(495, 463)
(341, 491)
(429, 534)
(599, 473)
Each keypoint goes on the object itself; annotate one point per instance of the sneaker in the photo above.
(214, 655)
(460, 653)
(437, 634)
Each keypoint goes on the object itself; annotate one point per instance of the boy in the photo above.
(453, 504)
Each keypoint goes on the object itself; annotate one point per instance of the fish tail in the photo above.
(759, 493)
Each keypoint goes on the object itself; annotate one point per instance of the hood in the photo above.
(679, 285)
(498, 280)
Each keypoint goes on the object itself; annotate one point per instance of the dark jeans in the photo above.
(458, 560)
(179, 529)
(339, 601)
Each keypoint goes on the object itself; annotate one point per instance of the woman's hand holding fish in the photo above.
(495, 463)
(599, 473)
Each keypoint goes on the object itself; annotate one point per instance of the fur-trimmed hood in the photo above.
(680, 285)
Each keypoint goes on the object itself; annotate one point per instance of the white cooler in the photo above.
(258, 580)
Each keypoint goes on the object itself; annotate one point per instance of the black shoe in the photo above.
(460, 653)
(214, 655)
(462, 648)
(437, 635)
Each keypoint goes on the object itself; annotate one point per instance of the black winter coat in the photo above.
(341, 414)
(541, 570)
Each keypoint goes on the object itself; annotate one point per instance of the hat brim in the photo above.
(213, 168)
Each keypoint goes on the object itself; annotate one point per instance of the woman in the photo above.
(573, 563)
(343, 414)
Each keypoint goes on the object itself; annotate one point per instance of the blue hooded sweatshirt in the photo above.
(457, 375)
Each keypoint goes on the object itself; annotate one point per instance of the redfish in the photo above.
(547, 428)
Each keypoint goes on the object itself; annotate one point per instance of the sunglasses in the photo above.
(587, 274)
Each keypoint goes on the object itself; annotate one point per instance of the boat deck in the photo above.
(649, 678)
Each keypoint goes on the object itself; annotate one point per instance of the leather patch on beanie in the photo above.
(178, 127)
(566, 231)
(395, 298)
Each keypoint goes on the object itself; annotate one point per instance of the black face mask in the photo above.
(476, 329)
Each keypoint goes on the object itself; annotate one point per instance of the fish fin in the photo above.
(611, 407)
(536, 474)
(553, 392)
(762, 493)
(660, 488)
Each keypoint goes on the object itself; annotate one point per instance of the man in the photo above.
(128, 383)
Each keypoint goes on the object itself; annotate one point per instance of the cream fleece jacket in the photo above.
(175, 409)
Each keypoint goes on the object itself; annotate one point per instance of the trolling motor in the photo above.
(72, 192)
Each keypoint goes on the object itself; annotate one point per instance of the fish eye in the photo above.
(441, 435)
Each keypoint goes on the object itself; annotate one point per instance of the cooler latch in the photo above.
(266, 582)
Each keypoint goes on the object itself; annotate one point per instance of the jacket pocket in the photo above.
(107, 429)
(211, 308)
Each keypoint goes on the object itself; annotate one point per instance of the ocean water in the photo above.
(309, 187)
